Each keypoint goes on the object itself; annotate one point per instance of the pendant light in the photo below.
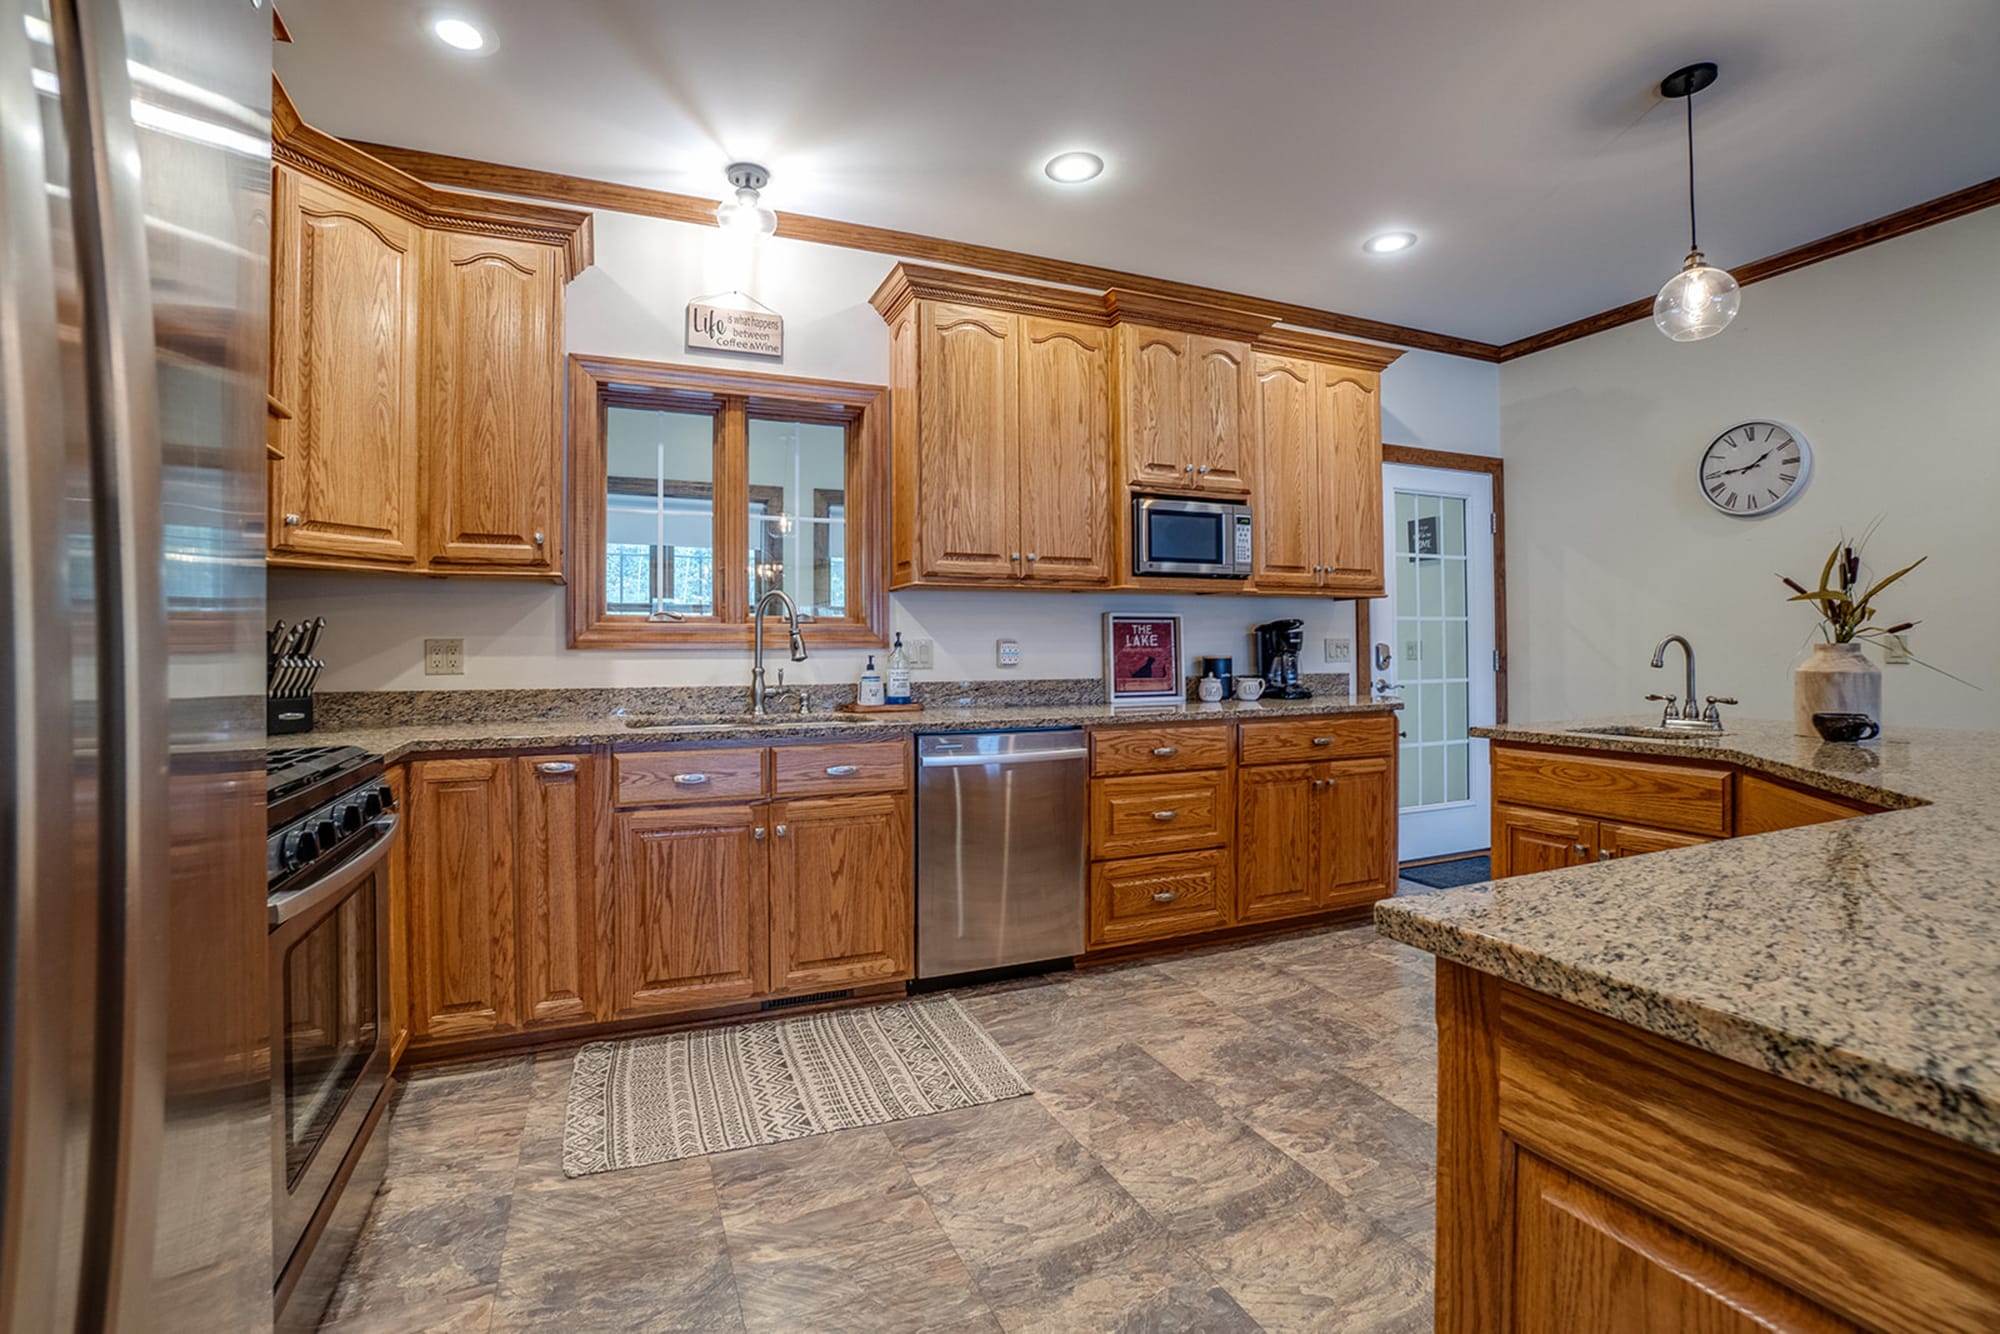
(744, 215)
(1700, 300)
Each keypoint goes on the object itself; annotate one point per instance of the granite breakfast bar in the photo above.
(1747, 1084)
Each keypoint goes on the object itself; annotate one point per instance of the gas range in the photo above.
(320, 802)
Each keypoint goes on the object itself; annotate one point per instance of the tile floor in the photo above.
(1241, 1138)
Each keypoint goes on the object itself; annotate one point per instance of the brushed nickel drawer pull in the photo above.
(842, 770)
(1164, 816)
(1322, 741)
(690, 780)
(1166, 896)
(556, 767)
(1166, 752)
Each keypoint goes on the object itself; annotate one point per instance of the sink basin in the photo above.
(708, 722)
(1650, 733)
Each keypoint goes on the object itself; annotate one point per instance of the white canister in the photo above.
(1209, 688)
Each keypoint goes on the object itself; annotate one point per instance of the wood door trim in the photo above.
(1414, 456)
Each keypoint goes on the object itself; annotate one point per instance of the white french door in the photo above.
(1433, 648)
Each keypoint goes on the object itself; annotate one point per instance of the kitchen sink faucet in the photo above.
(1677, 717)
(759, 695)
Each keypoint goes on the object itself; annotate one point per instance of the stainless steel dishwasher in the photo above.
(1001, 857)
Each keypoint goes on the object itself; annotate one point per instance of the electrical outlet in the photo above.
(1339, 650)
(1008, 653)
(918, 651)
(444, 657)
(1895, 651)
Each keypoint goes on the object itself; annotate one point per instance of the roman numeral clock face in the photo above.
(1755, 469)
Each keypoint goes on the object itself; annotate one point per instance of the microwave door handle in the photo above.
(291, 907)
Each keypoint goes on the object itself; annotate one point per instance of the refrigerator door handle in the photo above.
(108, 213)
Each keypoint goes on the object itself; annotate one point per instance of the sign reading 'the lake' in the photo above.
(759, 333)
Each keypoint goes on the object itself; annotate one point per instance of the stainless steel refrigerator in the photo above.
(135, 1153)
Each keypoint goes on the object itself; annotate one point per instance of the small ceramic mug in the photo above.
(1249, 688)
(1846, 726)
(1209, 688)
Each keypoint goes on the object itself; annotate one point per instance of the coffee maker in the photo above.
(1278, 644)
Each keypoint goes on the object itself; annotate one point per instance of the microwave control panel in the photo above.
(1243, 542)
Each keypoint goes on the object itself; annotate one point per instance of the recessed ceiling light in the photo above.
(458, 34)
(1389, 243)
(1072, 168)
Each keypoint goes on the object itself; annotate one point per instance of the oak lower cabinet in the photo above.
(1314, 837)
(842, 892)
(398, 783)
(562, 881)
(462, 888)
(692, 911)
(1134, 900)
(1527, 841)
(1162, 818)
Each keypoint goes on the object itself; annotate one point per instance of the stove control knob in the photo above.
(300, 846)
(351, 818)
(388, 797)
(371, 804)
(326, 834)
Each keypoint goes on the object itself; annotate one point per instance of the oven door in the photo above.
(329, 946)
(1172, 536)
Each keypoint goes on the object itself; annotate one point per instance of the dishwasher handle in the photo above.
(962, 761)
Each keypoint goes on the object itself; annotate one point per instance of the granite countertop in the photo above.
(398, 741)
(1860, 958)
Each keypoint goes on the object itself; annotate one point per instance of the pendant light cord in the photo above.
(1693, 244)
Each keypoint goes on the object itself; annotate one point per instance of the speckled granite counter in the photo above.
(1860, 958)
(400, 740)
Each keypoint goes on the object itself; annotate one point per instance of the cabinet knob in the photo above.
(781, 830)
(1164, 816)
(1033, 556)
(690, 780)
(1322, 741)
(1318, 783)
(1014, 556)
(556, 767)
(1203, 470)
(1166, 896)
(1604, 854)
(842, 770)
(539, 539)
(291, 521)
(1188, 468)
(1166, 752)
(1582, 851)
(758, 833)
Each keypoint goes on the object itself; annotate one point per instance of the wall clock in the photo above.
(1755, 468)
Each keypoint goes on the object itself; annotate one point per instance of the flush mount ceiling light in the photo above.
(744, 215)
(1699, 301)
(1074, 168)
(458, 34)
(1389, 243)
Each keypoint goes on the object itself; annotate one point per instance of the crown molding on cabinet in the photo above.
(298, 145)
(913, 282)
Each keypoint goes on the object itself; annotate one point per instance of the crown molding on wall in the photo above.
(499, 178)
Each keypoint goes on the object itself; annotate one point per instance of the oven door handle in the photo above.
(299, 903)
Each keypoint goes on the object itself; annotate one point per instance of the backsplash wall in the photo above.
(631, 303)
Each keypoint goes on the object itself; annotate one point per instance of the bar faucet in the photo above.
(759, 695)
(1685, 717)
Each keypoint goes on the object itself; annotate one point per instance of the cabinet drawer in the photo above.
(1156, 898)
(1662, 796)
(847, 766)
(681, 777)
(1150, 813)
(1152, 750)
(1316, 739)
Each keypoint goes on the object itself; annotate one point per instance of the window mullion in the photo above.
(732, 513)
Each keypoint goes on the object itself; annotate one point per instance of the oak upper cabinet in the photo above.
(1188, 409)
(1349, 427)
(416, 367)
(492, 403)
(562, 877)
(1285, 516)
(692, 909)
(968, 447)
(1064, 451)
(843, 910)
(344, 302)
(462, 886)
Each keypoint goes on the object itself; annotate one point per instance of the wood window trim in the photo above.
(597, 382)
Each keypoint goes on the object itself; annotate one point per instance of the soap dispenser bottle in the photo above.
(870, 695)
(899, 672)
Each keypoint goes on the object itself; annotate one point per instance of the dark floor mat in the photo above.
(1451, 874)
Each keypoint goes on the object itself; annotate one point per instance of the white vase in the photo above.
(1836, 678)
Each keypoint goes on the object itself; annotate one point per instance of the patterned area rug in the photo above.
(653, 1100)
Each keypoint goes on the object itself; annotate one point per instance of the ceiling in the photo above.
(1251, 146)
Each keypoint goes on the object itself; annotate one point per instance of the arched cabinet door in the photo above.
(967, 445)
(1286, 504)
(1065, 451)
(1350, 461)
(1222, 413)
(1153, 396)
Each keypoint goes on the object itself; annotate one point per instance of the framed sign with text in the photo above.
(1142, 658)
(734, 322)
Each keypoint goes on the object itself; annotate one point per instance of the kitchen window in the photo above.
(693, 492)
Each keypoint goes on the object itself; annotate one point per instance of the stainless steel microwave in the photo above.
(1178, 535)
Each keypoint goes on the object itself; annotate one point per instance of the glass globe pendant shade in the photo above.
(745, 216)
(1698, 302)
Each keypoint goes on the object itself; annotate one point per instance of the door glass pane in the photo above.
(659, 512)
(1432, 631)
(798, 513)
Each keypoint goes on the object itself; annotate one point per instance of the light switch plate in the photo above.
(444, 657)
(918, 651)
(1008, 653)
(1338, 650)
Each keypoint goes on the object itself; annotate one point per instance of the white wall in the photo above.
(1888, 360)
(631, 303)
